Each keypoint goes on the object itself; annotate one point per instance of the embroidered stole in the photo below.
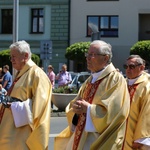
(88, 96)
(2, 110)
(132, 89)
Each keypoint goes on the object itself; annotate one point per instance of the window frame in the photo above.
(101, 0)
(7, 28)
(37, 22)
(105, 30)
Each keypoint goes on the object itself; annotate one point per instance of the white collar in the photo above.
(96, 75)
(132, 81)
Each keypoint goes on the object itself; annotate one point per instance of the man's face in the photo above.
(95, 61)
(18, 59)
(133, 69)
(4, 70)
(64, 68)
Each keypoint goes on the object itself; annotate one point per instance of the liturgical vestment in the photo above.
(32, 84)
(109, 112)
(138, 125)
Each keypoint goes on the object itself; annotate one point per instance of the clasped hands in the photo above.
(80, 106)
(137, 146)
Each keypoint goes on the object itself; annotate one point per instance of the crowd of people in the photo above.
(110, 112)
(63, 77)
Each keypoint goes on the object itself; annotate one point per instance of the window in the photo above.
(107, 25)
(7, 21)
(37, 20)
(102, 0)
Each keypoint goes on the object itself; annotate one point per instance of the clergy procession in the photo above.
(110, 111)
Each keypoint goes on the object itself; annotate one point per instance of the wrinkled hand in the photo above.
(80, 106)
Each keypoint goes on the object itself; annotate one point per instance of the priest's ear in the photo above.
(26, 56)
(142, 67)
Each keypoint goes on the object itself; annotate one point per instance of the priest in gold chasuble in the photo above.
(138, 124)
(25, 124)
(97, 116)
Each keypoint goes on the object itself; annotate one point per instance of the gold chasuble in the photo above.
(88, 96)
(32, 84)
(2, 110)
(138, 124)
(110, 103)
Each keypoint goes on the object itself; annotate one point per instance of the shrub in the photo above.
(5, 55)
(4, 58)
(142, 48)
(76, 51)
(65, 90)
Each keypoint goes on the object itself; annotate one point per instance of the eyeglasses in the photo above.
(130, 66)
(92, 55)
(12, 57)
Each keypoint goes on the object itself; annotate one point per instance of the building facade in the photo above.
(59, 23)
(120, 22)
(44, 24)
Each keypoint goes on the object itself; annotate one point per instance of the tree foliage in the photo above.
(76, 51)
(5, 55)
(142, 48)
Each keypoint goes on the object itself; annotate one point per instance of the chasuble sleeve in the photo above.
(142, 129)
(110, 106)
(41, 112)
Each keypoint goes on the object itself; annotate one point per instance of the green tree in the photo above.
(142, 48)
(5, 55)
(76, 53)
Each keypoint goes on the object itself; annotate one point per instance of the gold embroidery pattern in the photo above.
(132, 89)
(88, 96)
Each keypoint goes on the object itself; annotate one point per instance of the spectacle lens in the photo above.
(93, 55)
(130, 66)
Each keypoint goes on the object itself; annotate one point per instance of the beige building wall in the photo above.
(128, 12)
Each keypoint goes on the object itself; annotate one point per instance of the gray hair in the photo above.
(22, 47)
(104, 48)
(139, 60)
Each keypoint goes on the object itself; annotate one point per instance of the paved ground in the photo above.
(56, 113)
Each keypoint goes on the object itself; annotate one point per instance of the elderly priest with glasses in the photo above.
(138, 126)
(97, 116)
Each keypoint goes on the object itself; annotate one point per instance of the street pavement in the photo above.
(58, 123)
(56, 126)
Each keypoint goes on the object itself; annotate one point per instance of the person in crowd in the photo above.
(63, 77)
(3, 93)
(138, 126)
(1, 75)
(97, 116)
(7, 78)
(25, 124)
(51, 76)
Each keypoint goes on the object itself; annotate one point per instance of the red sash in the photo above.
(88, 96)
(131, 89)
